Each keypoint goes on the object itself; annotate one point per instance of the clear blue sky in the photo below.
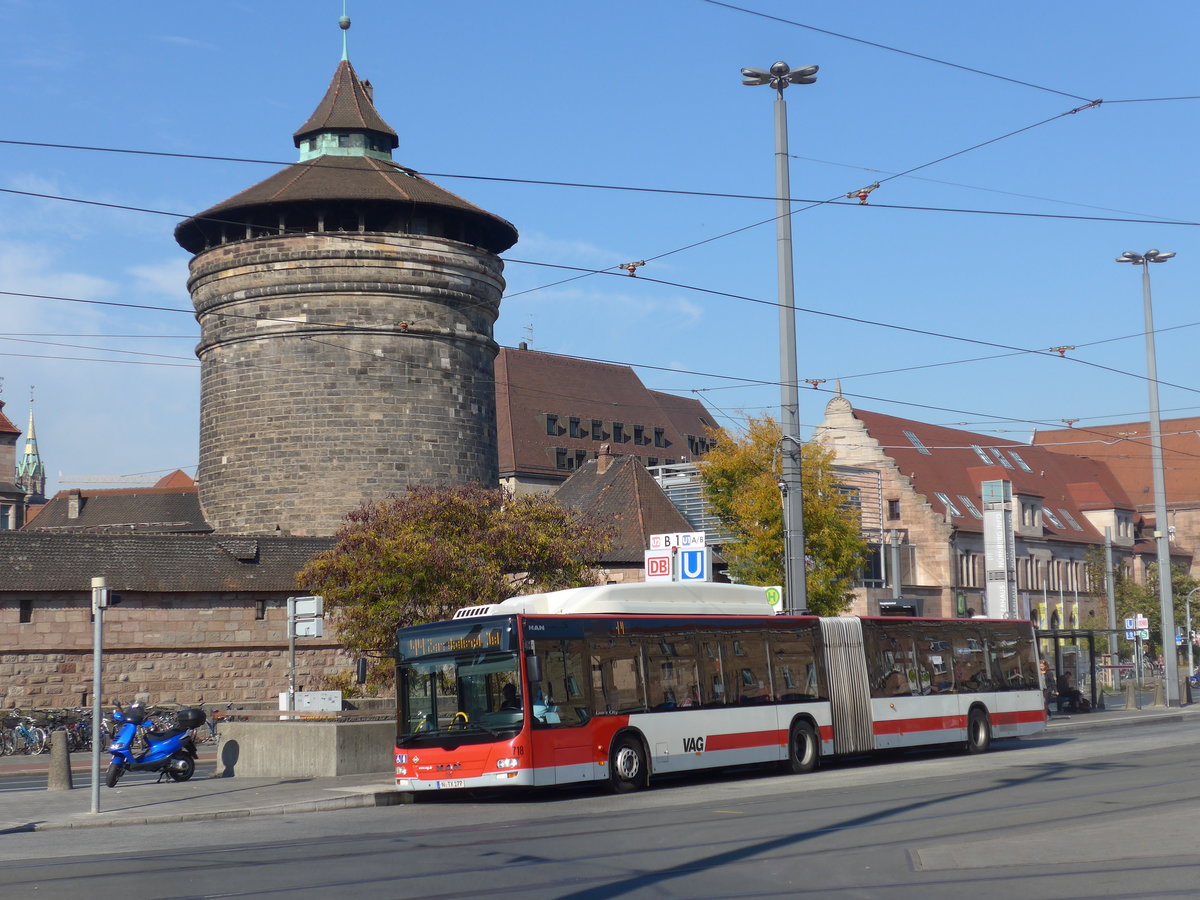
(645, 94)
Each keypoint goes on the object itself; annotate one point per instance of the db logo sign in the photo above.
(658, 567)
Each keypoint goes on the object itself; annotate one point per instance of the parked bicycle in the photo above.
(27, 737)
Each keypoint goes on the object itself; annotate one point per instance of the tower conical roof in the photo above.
(346, 106)
(345, 156)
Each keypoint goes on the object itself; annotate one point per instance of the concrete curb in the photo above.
(354, 801)
(1085, 724)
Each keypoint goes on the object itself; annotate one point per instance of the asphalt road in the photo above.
(1107, 813)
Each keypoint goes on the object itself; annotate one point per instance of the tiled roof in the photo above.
(531, 384)
(330, 179)
(627, 498)
(1125, 448)
(950, 464)
(6, 426)
(345, 106)
(142, 510)
(36, 561)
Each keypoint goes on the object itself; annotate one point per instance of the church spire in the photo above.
(31, 471)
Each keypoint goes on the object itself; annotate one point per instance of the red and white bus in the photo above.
(623, 682)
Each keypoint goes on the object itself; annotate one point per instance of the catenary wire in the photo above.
(879, 46)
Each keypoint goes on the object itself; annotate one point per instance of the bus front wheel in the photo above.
(804, 750)
(979, 732)
(626, 766)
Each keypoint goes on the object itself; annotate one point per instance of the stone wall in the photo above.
(341, 369)
(158, 649)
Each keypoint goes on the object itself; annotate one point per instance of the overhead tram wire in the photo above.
(333, 327)
(750, 381)
(878, 46)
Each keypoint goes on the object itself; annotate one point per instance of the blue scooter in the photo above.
(169, 752)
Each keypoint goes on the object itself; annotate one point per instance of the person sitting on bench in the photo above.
(1069, 695)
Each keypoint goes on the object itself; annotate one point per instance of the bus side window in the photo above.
(933, 660)
(558, 699)
(671, 678)
(747, 667)
(712, 678)
(617, 676)
(794, 667)
(891, 666)
(970, 660)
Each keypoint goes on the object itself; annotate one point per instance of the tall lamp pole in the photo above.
(1188, 633)
(779, 76)
(1161, 534)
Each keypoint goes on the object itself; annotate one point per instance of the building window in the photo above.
(893, 507)
(660, 437)
(560, 457)
(618, 432)
(551, 425)
(6, 518)
(343, 140)
(639, 434)
(916, 442)
(951, 509)
(573, 428)
(260, 609)
(25, 616)
(597, 430)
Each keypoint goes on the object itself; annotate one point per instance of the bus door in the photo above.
(560, 711)
(849, 693)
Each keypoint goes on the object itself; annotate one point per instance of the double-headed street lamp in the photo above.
(779, 76)
(1161, 534)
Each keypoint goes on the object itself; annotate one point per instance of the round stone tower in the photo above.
(346, 307)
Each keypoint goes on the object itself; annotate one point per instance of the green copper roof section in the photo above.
(31, 464)
(346, 122)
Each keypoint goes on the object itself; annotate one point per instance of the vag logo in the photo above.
(693, 745)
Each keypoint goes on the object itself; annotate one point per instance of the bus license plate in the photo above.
(454, 783)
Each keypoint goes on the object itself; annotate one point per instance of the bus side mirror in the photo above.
(533, 668)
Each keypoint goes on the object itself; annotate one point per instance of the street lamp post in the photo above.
(779, 76)
(1161, 535)
(1187, 614)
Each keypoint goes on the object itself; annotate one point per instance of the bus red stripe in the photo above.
(744, 741)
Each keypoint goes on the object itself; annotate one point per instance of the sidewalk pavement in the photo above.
(200, 799)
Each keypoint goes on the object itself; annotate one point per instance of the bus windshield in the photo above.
(476, 693)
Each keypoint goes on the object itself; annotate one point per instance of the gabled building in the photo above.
(1125, 449)
(932, 479)
(12, 495)
(553, 414)
(619, 492)
(171, 506)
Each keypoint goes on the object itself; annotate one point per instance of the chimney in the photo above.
(369, 90)
(74, 503)
(603, 459)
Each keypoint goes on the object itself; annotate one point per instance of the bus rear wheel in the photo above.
(626, 766)
(804, 750)
(979, 732)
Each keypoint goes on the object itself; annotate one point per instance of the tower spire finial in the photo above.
(344, 24)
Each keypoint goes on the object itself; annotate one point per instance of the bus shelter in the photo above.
(1073, 651)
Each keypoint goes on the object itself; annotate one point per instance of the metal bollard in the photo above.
(60, 763)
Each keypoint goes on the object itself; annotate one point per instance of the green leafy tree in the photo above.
(1134, 599)
(741, 484)
(419, 556)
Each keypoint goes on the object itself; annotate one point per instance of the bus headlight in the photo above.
(509, 763)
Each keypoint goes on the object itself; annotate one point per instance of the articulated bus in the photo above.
(620, 683)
